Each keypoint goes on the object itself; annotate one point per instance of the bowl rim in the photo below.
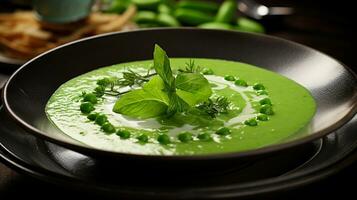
(240, 154)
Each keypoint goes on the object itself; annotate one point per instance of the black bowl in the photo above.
(331, 83)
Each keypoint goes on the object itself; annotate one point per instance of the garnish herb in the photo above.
(164, 94)
(213, 107)
(191, 68)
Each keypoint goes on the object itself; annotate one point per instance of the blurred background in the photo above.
(30, 27)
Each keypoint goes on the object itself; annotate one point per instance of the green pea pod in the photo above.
(163, 8)
(204, 6)
(145, 17)
(118, 6)
(226, 12)
(167, 20)
(248, 25)
(215, 25)
(147, 4)
(192, 17)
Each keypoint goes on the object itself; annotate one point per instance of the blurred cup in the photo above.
(62, 11)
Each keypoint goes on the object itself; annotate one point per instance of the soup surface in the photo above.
(249, 108)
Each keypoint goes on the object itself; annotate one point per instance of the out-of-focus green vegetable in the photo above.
(204, 6)
(167, 20)
(215, 25)
(147, 4)
(200, 13)
(164, 8)
(118, 6)
(226, 12)
(192, 17)
(145, 17)
(248, 25)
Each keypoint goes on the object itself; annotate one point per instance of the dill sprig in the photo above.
(216, 106)
(191, 67)
(111, 86)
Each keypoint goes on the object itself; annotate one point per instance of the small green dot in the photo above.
(123, 134)
(143, 138)
(262, 92)
(101, 119)
(185, 137)
(265, 101)
(263, 117)
(103, 82)
(92, 116)
(229, 78)
(86, 107)
(251, 122)
(267, 109)
(204, 137)
(164, 139)
(240, 82)
(90, 97)
(207, 71)
(99, 91)
(108, 128)
(258, 86)
(223, 131)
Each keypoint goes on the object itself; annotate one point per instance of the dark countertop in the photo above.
(323, 26)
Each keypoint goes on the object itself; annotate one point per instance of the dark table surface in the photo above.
(318, 24)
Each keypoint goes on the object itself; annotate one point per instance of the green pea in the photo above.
(185, 137)
(248, 25)
(251, 122)
(204, 6)
(240, 82)
(90, 97)
(265, 101)
(167, 20)
(143, 138)
(92, 116)
(103, 82)
(99, 91)
(147, 4)
(86, 107)
(223, 131)
(145, 17)
(123, 134)
(262, 92)
(226, 12)
(207, 71)
(263, 117)
(258, 86)
(164, 139)
(163, 8)
(229, 78)
(101, 119)
(267, 109)
(108, 128)
(215, 25)
(204, 137)
(192, 17)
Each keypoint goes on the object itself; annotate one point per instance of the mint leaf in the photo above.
(162, 67)
(140, 104)
(156, 87)
(193, 88)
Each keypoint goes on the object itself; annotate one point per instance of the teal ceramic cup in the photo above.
(62, 11)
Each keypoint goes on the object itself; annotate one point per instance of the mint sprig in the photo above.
(165, 93)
